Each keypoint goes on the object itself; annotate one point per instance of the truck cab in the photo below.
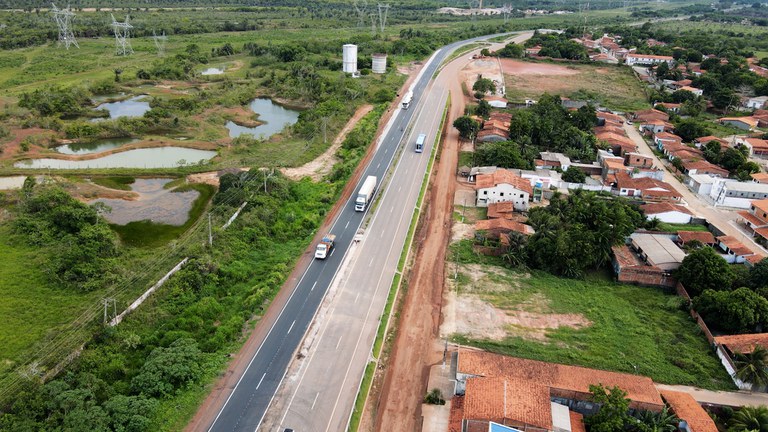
(323, 248)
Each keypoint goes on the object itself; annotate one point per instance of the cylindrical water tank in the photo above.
(350, 58)
(379, 63)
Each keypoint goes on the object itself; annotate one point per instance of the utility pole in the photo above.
(107, 302)
(210, 233)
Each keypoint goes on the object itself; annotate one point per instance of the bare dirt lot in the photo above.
(610, 86)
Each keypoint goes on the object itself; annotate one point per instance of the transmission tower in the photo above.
(160, 42)
(383, 9)
(507, 11)
(373, 23)
(63, 18)
(122, 32)
(360, 8)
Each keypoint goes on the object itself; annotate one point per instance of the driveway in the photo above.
(733, 398)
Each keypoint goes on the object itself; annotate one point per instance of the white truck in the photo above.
(406, 102)
(365, 194)
(325, 246)
(420, 143)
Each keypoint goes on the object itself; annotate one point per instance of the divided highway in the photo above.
(245, 408)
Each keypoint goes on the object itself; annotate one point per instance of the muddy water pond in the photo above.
(133, 107)
(158, 157)
(154, 204)
(95, 146)
(274, 116)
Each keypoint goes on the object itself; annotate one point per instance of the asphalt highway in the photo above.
(246, 406)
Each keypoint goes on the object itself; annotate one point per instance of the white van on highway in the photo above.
(420, 142)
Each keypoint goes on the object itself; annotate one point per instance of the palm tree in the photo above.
(751, 367)
(516, 253)
(663, 421)
(749, 419)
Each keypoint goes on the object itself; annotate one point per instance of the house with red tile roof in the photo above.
(757, 147)
(743, 343)
(734, 251)
(746, 123)
(663, 139)
(756, 220)
(493, 229)
(760, 177)
(501, 210)
(667, 212)
(694, 90)
(629, 267)
(704, 167)
(648, 189)
(704, 237)
(650, 114)
(503, 185)
(605, 117)
(638, 160)
(698, 142)
(693, 417)
(655, 126)
(566, 384)
(676, 85)
(670, 107)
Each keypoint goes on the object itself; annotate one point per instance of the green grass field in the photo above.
(633, 329)
(29, 301)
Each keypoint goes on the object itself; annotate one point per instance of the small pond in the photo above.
(154, 203)
(95, 146)
(13, 182)
(274, 116)
(133, 107)
(159, 157)
(213, 71)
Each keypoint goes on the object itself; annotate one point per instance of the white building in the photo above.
(701, 183)
(757, 102)
(647, 59)
(503, 186)
(667, 212)
(730, 193)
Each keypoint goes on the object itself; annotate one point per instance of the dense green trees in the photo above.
(576, 233)
(574, 175)
(467, 127)
(753, 367)
(511, 50)
(749, 419)
(614, 410)
(557, 46)
(704, 269)
(51, 101)
(738, 311)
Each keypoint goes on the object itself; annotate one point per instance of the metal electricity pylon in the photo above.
(63, 18)
(122, 32)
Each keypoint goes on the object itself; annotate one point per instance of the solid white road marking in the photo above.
(292, 324)
(262, 379)
(370, 263)
(339, 342)
(357, 297)
(313, 286)
(347, 225)
(315, 401)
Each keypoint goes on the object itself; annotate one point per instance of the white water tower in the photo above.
(379, 63)
(350, 58)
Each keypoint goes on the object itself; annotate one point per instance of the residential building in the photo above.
(475, 171)
(701, 183)
(667, 212)
(694, 90)
(493, 229)
(650, 114)
(757, 147)
(533, 51)
(756, 220)
(704, 167)
(496, 101)
(698, 142)
(734, 251)
(662, 139)
(638, 160)
(730, 193)
(630, 268)
(745, 123)
(648, 189)
(502, 185)
(760, 177)
(677, 85)
(620, 144)
(647, 59)
(492, 134)
(657, 250)
(655, 126)
(567, 385)
(757, 102)
(706, 238)
(501, 210)
(693, 418)
(551, 160)
(670, 107)
(605, 117)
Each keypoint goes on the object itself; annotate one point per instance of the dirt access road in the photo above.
(398, 405)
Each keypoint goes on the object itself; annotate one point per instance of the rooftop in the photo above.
(556, 376)
(686, 408)
(760, 177)
(735, 245)
(500, 209)
(708, 138)
(705, 237)
(502, 176)
(761, 205)
(747, 187)
(659, 250)
(747, 120)
(743, 343)
(664, 207)
(503, 224)
(498, 398)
